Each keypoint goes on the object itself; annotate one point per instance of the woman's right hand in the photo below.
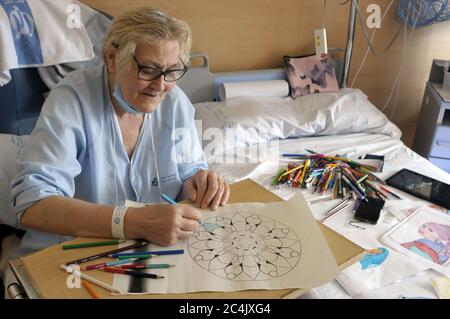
(162, 224)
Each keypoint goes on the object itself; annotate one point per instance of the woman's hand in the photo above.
(206, 189)
(161, 224)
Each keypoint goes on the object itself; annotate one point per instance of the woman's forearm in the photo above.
(68, 216)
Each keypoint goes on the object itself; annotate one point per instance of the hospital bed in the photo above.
(21, 101)
(340, 123)
(376, 135)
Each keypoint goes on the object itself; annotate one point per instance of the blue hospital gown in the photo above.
(76, 151)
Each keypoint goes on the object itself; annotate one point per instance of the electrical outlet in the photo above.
(320, 40)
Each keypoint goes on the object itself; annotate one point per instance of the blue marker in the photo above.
(293, 155)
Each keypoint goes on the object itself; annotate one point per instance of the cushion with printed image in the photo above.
(308, 74)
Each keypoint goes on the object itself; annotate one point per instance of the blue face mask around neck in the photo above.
(117, 93)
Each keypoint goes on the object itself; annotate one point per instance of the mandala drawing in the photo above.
(245, 246)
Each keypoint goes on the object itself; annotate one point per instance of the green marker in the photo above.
(94, 244)
(146, 266)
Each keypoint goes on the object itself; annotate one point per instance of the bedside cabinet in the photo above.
(432, 138)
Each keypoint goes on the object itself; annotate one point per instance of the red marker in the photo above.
(110, 263)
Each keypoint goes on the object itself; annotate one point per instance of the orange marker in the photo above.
(91, 290)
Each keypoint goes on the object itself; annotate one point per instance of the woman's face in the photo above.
(428, 232)
(144, 95)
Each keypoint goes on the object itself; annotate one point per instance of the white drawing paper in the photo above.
(424, 236)
(241, 247)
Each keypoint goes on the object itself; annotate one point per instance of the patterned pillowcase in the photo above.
(308, 75)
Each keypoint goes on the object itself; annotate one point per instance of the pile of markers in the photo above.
(339, 175)
(126, 263)
(131, 264)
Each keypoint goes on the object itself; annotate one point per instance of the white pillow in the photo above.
(253, 120)
(11, 146)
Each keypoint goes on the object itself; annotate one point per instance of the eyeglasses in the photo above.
(148, 73)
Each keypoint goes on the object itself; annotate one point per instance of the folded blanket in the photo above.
(40, 33)
(96, 25)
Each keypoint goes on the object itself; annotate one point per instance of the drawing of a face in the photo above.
(428, 232)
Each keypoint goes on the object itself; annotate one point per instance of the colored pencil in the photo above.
(91, 290)
(292, 170)
(357, 191)
(107, 253)
(302, 176)
(136, 255)
(132, 273)
(322, 173)
(277, 178)
(390, 192)
(168, 199)
(89, 278)
(146, 266)
(171, 201)
(362, 179)
(94, 244)
(379, 180)
(152, 252)
(110, 263)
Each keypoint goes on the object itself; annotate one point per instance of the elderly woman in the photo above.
(123, 131)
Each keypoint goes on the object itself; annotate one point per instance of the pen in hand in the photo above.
(169, 199)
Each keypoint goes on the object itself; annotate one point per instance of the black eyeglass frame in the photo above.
(141, 67)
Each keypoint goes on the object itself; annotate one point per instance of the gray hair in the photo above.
(148, 25)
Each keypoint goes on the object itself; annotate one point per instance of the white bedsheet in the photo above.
(378, 282)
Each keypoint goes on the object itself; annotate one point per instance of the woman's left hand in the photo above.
(207, 189)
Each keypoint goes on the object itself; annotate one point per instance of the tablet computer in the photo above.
(421, 186)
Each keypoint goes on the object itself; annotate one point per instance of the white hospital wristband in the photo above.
(117, 221)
